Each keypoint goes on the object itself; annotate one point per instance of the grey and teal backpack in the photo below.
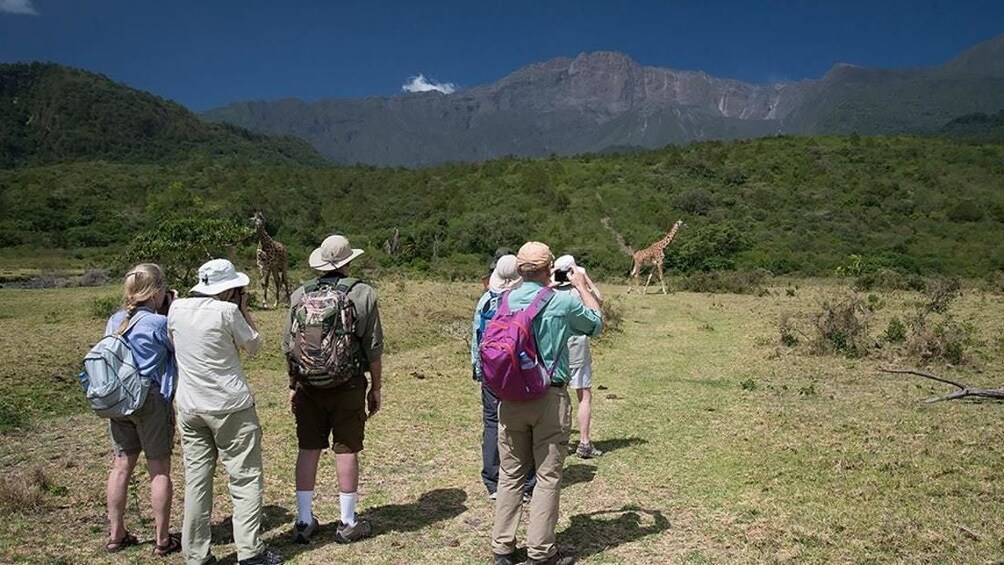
(324, 350)
(111, 378)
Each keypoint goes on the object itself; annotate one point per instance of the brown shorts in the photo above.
(149, 429)
(338, 412)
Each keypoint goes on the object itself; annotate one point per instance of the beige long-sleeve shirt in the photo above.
(207, 334)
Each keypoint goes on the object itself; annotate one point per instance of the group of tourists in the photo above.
(189, 349)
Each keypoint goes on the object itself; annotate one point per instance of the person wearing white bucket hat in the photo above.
(327, 381)
(580, 361)
(216, 411)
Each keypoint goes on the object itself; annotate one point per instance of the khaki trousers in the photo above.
(534, 432)
(236, 439)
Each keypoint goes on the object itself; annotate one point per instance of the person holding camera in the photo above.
(150, 429)
(216, 411)
(580, 361)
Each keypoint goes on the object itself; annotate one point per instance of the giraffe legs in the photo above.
(661, 283)
(264, 288)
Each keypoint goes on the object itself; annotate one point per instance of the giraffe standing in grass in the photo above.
(652, 256)
(271, 256)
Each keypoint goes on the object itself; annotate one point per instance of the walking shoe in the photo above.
(302, 530)
(266, 557)
(348, 534)
(506, 559)
(493, 495)
(587, 451)
(556, 559)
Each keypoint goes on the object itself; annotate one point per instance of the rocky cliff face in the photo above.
(600, 100)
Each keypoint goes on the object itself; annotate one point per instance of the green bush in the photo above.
(103, 307)
(895, 332)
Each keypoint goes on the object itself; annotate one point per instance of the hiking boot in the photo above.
(506, 559)
(587, 451)
(349, 534)
(556, 559)
(302, 530)
(266, 557)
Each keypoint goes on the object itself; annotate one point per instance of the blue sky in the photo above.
(211, 52)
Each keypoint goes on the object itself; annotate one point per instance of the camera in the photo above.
(561, 276)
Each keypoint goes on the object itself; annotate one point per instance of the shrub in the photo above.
(23, 492)
(946, 340)
(895, 332)
(12, 416)
(788, 331)
(843, 327)
(103, 307)
(613, 314)
(940, 293)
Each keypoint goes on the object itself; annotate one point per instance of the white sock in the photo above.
(304, 504)
(347, 501)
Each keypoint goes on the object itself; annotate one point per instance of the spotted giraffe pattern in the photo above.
(272, 263)
(652, 256)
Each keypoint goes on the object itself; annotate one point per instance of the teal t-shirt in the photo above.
(564, 316)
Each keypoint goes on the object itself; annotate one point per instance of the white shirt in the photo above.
(207, 333)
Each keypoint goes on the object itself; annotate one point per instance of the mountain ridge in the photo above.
(595, 100)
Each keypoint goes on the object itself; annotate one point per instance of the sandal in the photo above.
(173, 544)
(116, 546)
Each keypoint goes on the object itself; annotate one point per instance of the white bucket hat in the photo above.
(564, 263)
(505, 276)
(333, 253)
(218, 275)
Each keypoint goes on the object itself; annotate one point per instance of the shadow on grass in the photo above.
(608, 445)
(431, 507)
(272, 517)
(575, 474)
(592, 533)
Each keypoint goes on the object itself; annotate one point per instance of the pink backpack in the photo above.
(508, 350)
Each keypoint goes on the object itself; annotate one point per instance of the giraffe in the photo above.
(653, 255)
(271, 256)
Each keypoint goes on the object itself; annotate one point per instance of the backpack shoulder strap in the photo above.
(502, 307)
(311, 285)
(539, 301)
(139, 315)
(345, 284)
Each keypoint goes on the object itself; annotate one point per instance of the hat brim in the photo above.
(213, 289)
(498, 284)
(317, 262)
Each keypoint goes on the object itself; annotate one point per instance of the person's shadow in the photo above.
(431, 507)
(608, 445)
(272, 516)
(589, 534)
(575, 474)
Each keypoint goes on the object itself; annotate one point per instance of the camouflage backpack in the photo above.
(324, 350)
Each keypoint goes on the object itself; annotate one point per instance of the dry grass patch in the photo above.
(722, 444)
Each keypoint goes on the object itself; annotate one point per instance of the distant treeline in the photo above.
(787, 205)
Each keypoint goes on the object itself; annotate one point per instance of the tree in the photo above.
(180, 246)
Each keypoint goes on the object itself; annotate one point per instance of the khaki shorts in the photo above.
(338, 413)
(149, 429)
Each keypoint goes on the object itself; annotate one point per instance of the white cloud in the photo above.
(421, 84)
(23, 7)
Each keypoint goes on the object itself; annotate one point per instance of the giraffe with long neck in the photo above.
(652, 256)
(271, 258)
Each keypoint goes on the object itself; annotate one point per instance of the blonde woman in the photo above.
(150, 429)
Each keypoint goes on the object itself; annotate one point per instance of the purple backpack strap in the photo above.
(539, 301)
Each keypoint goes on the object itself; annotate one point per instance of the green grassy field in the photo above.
(723, 445)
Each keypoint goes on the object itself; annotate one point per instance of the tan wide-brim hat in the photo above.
(333, 253)
(218, 275)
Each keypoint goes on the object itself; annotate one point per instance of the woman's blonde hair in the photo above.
(141, 283)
